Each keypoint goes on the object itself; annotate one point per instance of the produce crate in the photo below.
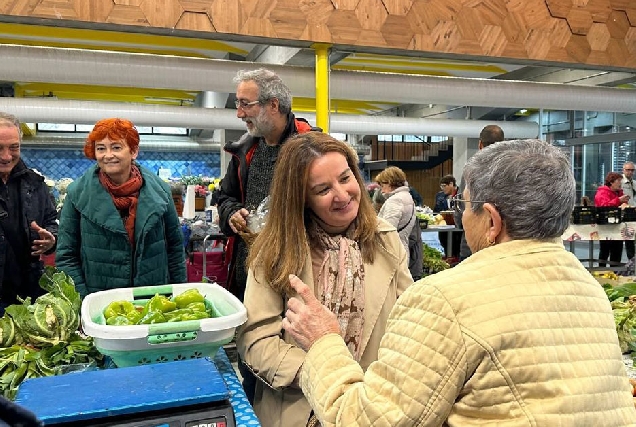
(608, 215)
(584, 215)
(162, 342)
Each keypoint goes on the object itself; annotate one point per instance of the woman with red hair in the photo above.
(119, 227)
(610, 194)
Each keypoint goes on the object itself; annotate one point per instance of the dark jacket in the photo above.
(234, 183)
(94, 248)
(464, 249)
(36, 205)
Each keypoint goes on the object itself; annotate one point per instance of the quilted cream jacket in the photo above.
(519, 334)
(273, 354)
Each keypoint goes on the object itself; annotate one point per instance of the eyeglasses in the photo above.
(244, 104)
(459, 205)
(443, 185)
(630, 170)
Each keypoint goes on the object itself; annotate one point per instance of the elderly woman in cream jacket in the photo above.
(519, 334)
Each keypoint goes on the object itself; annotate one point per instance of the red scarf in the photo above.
(125, 197)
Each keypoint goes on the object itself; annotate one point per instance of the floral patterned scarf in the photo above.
(341, 283)
(125, 197)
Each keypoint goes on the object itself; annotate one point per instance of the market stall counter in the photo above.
(597, 232)
(173, 394)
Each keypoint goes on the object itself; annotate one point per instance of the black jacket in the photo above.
(36, 205)
(234, 183)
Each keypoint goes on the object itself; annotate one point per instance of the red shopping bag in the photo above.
(213, 267)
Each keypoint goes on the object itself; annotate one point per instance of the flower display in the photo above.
(61, 185)
(200, 190)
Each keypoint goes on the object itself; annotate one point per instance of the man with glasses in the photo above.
(263, 102)
(448, 187)
(628, 188)
(448, 190)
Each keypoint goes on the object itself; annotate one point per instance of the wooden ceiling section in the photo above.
(589, 32)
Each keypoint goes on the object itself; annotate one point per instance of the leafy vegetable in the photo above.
(432, 260)
(622, 291)
(37, 339)
(54, 316)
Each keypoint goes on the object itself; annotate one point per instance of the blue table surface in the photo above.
(102, 393)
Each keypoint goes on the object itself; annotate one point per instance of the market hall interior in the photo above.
(375, 73)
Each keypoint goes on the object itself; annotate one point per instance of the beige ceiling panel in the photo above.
(600, 10)
(162, 13)
(199, 6)
(344, 26)
(264, 26)
(396, 30)
(228, 16)
(316, 12)
(195, 21)
(599, 37)
(127, 15)
(345, 4)
(128, 2)
(398, 7)
(371, 14)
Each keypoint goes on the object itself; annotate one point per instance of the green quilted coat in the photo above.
(93, 246)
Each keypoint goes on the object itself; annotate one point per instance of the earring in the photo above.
(490, 242)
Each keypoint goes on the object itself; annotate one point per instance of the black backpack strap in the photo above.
(409, 221)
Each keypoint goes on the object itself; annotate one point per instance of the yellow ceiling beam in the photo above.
(113, 40)
(172, 97)
(341, 104)
(69, 45)
(405, 61)
(113, 98)
(334, 111)
(43, 89)
(415, 71)
(27, 130)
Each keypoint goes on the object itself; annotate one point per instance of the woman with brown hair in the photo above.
(119, 227)
(322, 227)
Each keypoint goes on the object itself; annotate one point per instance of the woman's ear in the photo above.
(496, 223)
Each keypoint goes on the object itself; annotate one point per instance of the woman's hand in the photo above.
(306, 319)
(624, 198)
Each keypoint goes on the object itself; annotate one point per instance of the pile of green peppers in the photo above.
(189, 305)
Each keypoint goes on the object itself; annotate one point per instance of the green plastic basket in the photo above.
(162, 342)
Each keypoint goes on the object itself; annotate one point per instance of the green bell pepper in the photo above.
(118, 320)
(118, 308)
(191, 295)
(152, 317)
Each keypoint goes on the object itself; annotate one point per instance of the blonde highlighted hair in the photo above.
(393, 176)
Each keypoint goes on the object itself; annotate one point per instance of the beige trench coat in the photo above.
(272, 353)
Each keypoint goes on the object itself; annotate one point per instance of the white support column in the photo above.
(463, 149)
(216, 100)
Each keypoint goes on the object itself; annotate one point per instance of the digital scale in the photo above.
(185, 393)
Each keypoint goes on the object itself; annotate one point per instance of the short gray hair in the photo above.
(9, 120)
(269, 86)
(530, 182)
